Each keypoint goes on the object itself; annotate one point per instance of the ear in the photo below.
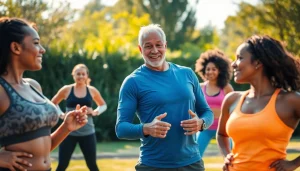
(15, 48)
(166, 44)
(140, 48)
(258, 64)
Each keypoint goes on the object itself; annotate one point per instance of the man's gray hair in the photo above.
(145, 30)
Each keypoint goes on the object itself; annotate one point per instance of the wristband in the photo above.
(101, 109)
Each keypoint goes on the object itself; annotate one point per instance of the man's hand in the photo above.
(157, 128)
(192, 125)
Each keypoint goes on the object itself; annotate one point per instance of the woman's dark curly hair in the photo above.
(11, 30)
(280, 66)
(222, 63)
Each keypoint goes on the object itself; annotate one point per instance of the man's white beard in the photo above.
(155, 64)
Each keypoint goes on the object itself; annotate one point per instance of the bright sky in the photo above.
(212, 12)
(215, 12)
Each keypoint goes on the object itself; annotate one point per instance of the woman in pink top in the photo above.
(214, 68)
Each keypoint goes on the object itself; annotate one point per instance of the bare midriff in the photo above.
(216, 112)
(39, 148)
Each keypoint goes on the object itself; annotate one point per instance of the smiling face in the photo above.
(244, 68)
(211, 72)
(32, 51)
(153, 49)
(80, 75)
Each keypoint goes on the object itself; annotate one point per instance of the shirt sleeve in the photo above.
(127, 106)
(202, 109)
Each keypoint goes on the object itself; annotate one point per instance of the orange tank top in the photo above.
(258, 139)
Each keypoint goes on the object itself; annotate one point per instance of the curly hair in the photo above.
(11, 30)
(218, 58)
(279, 65)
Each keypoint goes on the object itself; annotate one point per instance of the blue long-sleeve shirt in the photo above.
(149, 93)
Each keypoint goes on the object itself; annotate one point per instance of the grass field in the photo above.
(113, 147)
(212, 163)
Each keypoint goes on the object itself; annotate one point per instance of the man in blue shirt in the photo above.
(170, 105)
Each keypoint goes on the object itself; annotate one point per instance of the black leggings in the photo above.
(88, 147)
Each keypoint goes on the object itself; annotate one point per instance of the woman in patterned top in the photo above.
(26, 115)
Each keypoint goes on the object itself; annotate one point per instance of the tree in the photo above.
(48, 18)
(91, 7)
(284, 17)
(102, 30)
(238, 28)
(278, 19)
(177, 18)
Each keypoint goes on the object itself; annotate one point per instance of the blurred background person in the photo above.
(214, 68)
(81, 93)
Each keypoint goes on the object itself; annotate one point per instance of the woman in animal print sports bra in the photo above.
(26, 115)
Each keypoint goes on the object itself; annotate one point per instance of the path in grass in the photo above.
(130, 149)
(116, 156)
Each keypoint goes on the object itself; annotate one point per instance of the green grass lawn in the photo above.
(211, 163)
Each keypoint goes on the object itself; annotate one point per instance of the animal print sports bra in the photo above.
(25, 120)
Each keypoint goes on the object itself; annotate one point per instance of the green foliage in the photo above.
(49, 19)
(177, 18)
(283, 17)
(276, 18)
(238, 28)
(30, 9)
(102, 31)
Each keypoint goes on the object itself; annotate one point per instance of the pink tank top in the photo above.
(214, 102)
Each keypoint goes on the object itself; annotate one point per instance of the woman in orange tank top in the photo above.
(261, 120)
